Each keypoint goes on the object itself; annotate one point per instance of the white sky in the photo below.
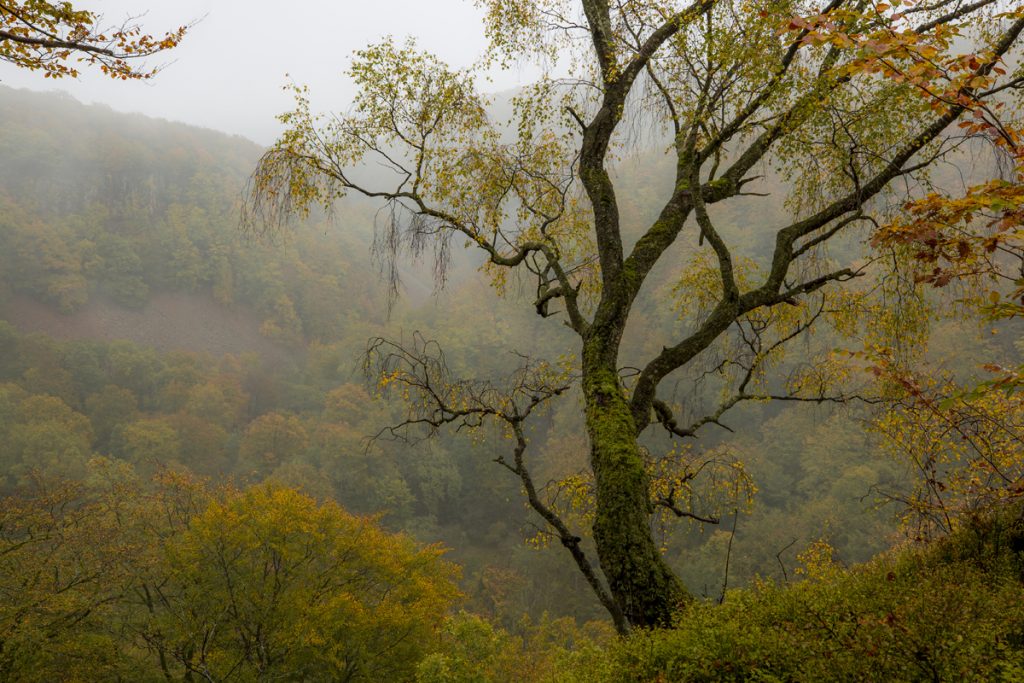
(228, 72)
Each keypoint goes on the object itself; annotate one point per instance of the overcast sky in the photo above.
(229, 71)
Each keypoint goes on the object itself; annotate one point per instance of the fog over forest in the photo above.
(533, 341)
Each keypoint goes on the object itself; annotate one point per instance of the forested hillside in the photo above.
(94, 264)
(111, 225)
(96, 221)
(103, 205)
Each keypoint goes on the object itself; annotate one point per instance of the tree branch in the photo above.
(435, 400)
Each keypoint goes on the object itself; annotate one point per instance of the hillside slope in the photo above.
(95, 203)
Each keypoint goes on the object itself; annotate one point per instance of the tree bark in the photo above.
(643, 585)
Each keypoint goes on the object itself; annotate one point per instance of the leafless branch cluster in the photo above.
(435, 399)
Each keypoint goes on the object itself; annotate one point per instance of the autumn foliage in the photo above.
(115, 578)
(56, 38)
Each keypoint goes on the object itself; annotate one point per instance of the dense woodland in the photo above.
(172, 512)
(76, 408)
(211, 414)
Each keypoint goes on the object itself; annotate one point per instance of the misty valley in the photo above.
(698, 357)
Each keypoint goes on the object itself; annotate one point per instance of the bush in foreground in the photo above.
(952, 611)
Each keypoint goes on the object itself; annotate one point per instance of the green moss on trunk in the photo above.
(641, 582)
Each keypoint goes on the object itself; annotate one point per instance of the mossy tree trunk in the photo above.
(639, 579)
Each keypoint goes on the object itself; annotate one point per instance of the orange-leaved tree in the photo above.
(964, 438)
